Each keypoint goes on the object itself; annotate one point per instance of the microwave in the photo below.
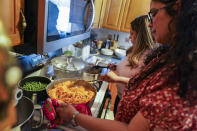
(54, 24)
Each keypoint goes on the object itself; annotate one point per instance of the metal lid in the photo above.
(68, 63)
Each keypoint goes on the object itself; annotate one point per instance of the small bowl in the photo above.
(120, 53)
(105, 51)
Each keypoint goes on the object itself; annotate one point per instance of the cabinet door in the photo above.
(133, 9)
(113, 14)
(98, 9)
(10, 15)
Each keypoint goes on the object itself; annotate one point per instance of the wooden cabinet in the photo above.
(119, 13)
(133, 9)
(113, 14)
(98, 9)
(12, 19)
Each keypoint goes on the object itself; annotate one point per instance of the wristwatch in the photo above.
(74, 123)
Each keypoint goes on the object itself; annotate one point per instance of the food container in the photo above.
(91, 73)
(24, 110)
(18, 94)
(107, 52)
(81, 107)
(120, 53)
(35, 95)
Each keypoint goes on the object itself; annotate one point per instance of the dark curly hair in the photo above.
(183, 53)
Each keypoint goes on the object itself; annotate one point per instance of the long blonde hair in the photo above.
(144, 39)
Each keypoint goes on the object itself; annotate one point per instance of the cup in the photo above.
(18, 95)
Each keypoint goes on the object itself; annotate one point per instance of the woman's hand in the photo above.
(109, 77)
(112, 67)
(65, 111)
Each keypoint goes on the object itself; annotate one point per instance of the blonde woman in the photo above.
(143, 44)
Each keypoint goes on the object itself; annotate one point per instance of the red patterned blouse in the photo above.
(156, 98)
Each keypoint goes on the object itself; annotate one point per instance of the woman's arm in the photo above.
(139, 123)
(113, 77)
(66, 111)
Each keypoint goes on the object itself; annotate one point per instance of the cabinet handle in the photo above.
(23, 24)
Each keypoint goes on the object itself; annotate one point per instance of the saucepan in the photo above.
(92, 73)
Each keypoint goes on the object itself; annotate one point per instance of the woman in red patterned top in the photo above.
(164, 95)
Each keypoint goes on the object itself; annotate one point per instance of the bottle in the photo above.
(107, 44)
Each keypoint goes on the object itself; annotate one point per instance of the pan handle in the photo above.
(38, 107)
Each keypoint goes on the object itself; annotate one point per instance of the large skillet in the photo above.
(84, 83)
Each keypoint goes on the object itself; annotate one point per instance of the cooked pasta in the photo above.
(64, 91)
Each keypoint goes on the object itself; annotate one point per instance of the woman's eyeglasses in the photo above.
(153, 12)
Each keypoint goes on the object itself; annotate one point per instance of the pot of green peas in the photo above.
(34, 87)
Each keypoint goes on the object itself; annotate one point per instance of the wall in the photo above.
(103, 33)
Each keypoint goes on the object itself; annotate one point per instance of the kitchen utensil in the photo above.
(68, 67)
(96, 60)
(91, 73)
(81, 83)
(25, 109)
(117, 37)
(120, 53)
(87, 85)
(18, 95)
(105, 51)
(99, 44)
(41, 95)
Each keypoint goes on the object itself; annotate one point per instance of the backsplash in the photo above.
(103, 33)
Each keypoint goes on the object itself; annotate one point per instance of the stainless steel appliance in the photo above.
(53, 24)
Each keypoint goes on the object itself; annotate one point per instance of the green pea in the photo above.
(34, 86)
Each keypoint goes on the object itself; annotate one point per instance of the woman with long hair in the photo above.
(143, 45)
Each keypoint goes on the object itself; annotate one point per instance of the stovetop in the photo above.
(95, 109)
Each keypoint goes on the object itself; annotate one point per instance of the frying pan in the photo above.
(87, 85)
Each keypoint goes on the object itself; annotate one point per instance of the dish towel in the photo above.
(54, 119)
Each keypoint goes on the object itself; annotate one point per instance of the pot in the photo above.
(18, 94)
(35, 96)
(25, 109)
(92, 74)
(68, 66)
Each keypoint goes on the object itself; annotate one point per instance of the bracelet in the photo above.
(74, 123)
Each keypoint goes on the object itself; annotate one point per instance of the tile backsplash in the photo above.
(102, 34)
